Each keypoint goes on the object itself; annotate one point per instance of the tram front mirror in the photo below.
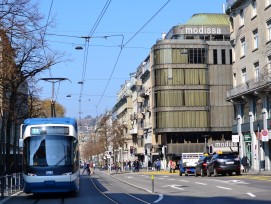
(21, 143)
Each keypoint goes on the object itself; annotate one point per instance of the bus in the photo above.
(50, 155)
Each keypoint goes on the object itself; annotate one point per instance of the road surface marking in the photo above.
(173, 186)
(159, 199)
(184, 181)
(237, 181)
(251, 195)
(223, 187)
(201, 183)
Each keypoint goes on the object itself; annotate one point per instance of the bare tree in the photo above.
(108, 133)
(24, 56)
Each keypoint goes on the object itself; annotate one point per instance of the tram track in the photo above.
(111, 183)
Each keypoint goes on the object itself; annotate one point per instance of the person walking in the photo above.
(245, 164)
(170, 166)
(180, 167)
(158, 164)
(91, 168)
(173, 166)
(118, 167)
(85, 167)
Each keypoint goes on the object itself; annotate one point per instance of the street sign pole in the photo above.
(259, 151)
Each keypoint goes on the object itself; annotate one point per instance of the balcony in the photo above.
(133, 131)
(139, 116)
(139, 99)
(262, 83)
(144, 92)
(139, 82)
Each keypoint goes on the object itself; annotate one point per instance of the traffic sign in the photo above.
(265, 135)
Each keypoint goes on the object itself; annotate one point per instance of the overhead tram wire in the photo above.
(123, 45)
(147, 22)
(112, 72)
(86, 50)
(45, 30)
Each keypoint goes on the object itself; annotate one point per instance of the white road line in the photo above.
(223, 187)
(171, 179)
(251, 195)
(173, 186)
(184, 181)
(201, 183)
(159, 199)
(161, 178)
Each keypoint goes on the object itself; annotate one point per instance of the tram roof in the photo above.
(36, 121)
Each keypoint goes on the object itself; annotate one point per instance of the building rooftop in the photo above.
(209, 19)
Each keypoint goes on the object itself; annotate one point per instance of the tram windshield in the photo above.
(50, 150)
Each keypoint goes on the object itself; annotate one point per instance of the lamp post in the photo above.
(205, 142)
(53, 81)
(259, 150)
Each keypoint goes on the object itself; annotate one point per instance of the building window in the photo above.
(254, 9)
(244, 75)
(230, 56)
(234, 79)
(242, 19)
(268, 29)
(223, 56)
(256, 70)
(243, 46)
(269, 62)
(215, 56)
(255, 39)
(233, 54)
(196, 56)
(258, 111)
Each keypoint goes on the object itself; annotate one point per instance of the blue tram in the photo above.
(50, 155)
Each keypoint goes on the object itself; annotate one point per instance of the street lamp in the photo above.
(205, 142)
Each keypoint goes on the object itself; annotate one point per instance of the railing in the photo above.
(255, 84)
(11, 184)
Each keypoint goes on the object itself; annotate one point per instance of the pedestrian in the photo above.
(91, 168)
(180, 167)
(245, 164)
(84, 167)
(170, 166)
(118, 167)
(137, 165)
(158, 165)
(173, 166)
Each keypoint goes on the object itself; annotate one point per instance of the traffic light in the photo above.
(211, 149)
(146, 151)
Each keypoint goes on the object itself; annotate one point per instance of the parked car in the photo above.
(224, 164)
(201, 167)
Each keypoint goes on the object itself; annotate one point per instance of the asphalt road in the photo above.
(150, 187)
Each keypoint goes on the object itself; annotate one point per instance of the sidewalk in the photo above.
(257, 172)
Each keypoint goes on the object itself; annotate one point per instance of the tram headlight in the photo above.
(67, 173)
(30, 174)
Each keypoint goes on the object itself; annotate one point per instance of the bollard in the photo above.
(152, 179)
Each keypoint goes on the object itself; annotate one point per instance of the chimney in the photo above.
(163, 35)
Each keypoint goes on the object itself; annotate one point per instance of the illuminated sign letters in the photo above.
(202, 30)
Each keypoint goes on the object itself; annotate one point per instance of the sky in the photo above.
(121, 33)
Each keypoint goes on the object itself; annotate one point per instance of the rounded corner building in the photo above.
(191, 72)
